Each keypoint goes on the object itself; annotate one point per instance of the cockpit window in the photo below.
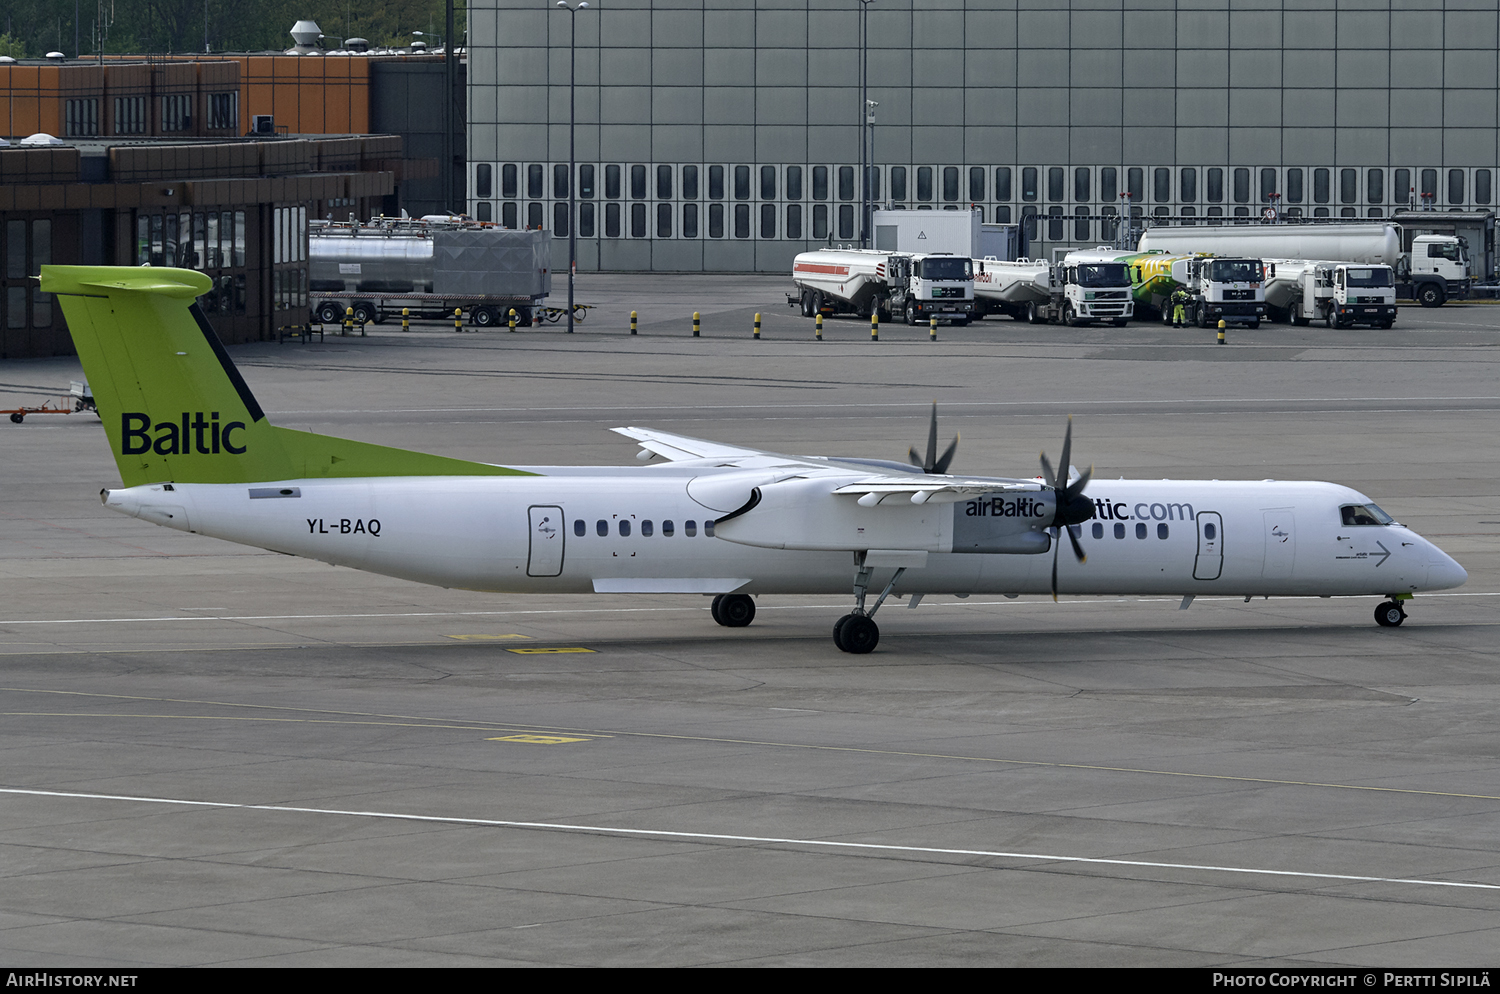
(1363, 514)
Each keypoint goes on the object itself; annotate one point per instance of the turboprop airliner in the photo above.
(196, 453)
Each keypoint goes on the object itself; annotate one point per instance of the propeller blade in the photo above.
(1077, 549)
(941, 466)
(1076, 487)
(927, 466)
(915, 457)
(1056, 544)
(1047, 473)
(1067, 451)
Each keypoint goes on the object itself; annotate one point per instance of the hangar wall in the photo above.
(722, 135)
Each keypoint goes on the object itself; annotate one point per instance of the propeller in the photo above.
(1072, 507)
(935, 464)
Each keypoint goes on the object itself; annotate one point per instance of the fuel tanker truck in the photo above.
(1075, 292)
(430, 267)
(873, 281)
(1231, 290)
(1436, 270)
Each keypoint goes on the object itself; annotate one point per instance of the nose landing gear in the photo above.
(1389, 614)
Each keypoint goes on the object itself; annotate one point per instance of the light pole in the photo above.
(572, 122)
(864, 118)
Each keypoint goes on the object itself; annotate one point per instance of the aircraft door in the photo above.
(1210, 561)
(547, 536)
(1281, 544)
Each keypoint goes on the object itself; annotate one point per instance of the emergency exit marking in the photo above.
(485, 638)
(543, 740)
(541, 649)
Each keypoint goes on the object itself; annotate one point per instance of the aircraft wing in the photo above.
(679, 448)
(933, 489)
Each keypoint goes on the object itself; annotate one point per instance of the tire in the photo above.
(713, 609)
(1067, 316)
(1254, 324)
(1120, 322)
(1200, 316)
(329, 313)
(838, 632)
(364, 313)
(911, 313)
(1430, 295)
(1033, 316)
(1388, 614)
(859, 634)
(486, 317)
(523, 317)
(17, 418)
(1387, 324)
(736, 610)
(817, 302)
(807, 307)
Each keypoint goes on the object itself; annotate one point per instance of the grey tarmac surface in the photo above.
(212, 755)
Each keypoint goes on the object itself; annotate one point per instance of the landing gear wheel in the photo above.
(1388, 614)
(734, 610)
(857, 634)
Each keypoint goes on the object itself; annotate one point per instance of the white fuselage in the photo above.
(562, 532)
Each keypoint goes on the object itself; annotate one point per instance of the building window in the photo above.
(1456, 187)
(794, 221)
(846, 182)
(742, 220)
(976, 184)
(586, 220)
(177, 112)
(637, 182)
(846, 221)
(1375, 186)
(560, 182)
(611, 182)
(534, 181)
(924, 184)
(768, 220)
(689, 228)
(1161, 181)
(1348, 186)
(1216, 185)
(637, 220)
(508, 216)
(1429, 184)
(898, 182)
(508, 180)
(82, 118)
(794, 182)
(1002, 183)
(1401, 190)
(1187, 184)
(1081, 225)
(742, 182)
(1054, 224)
(663, 220)
(715, 182)
(533, 215)
(1055, 190)
(663, 182)
(482, 180)
(560, 219)
(1135, 179)
(820, 221)
(1081, 183)
(872, 183)
(1481, 186)
(224, 111)
(716, 220)
(130, 115)
(1242, 185)
(485, 211)
(1294, 186)
(1320, 186)
(1109, 184)
(820, 183)
(689, 182)
(768, 182)
(950, 184)
(586, 182)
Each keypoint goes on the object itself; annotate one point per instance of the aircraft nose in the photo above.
(1443, 572)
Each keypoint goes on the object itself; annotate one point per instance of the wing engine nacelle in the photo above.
(804, 514)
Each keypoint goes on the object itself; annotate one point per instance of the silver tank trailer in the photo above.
(369, 262)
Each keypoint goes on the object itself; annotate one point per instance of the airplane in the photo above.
(196, 453)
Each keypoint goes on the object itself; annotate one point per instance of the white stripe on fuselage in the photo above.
(1277, 538)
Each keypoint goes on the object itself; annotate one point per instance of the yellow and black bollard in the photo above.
(695, 324)
(406, 319)
(632, 322)
(874, 326)
(348, 321)
(512, 319)
(1222, 326)
(757, 326)
(818, 326)
(932, 328)
(457, 319)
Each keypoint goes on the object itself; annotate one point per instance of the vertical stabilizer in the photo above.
(174, 406)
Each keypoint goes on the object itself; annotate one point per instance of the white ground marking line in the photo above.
(1074, 601)
(756, 839)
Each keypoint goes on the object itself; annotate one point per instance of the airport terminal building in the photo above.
(724, 135)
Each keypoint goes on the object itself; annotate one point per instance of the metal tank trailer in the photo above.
(430, 266)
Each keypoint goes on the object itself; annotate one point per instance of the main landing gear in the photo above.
(1389, 614)
(857, 632)
(733, 610)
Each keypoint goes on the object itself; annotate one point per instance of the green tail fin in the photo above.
(174, 406)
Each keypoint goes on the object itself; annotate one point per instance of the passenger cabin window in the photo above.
(1354, 515)
(624, 527)
(602, 528)
(666, 528)
(579, 528)
(690, 528)
(646, 528)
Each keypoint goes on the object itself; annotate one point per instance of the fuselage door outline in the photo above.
(1210, 561)
(545, 555)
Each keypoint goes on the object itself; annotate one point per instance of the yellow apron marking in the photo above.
(544, 740)
(541, 649)
(485, 638)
